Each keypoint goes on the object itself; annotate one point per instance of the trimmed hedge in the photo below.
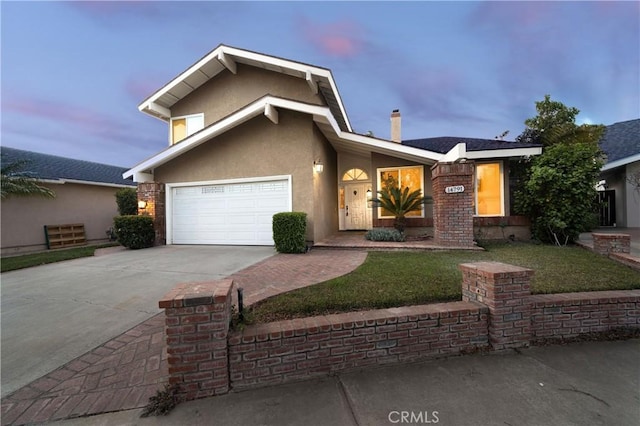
(289, 230)
(384, 234)
(134, 232)
(127, 201)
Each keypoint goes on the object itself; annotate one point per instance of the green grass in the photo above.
(52, 256)
(388, 279)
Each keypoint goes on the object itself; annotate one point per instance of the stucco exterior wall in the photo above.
(23, 218)
(633, 198)
(325, 188)
(260, 148)
(228, 92)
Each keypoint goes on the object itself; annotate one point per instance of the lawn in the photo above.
(388, 279)
(29, 260)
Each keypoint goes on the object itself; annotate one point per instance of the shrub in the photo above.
(134, 232)
(384, 234)
(289, 230)
(127, 200)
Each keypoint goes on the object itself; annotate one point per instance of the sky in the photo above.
(72, 74)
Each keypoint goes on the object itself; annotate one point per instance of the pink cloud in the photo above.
(140, 88)
(341, 39)
(52, 110)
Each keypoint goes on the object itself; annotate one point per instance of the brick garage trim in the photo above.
(153, 194)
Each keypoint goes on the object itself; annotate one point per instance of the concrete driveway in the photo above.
(54, 313)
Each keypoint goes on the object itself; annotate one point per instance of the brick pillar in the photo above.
(153, 194)
(197, 326)
(453, 204)
(611, 243)
(505, 290)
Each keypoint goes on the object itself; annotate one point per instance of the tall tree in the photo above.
(558, 187)
(14, 180)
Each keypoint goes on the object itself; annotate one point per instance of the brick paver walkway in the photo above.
(124, 372)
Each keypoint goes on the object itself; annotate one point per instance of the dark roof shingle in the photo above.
(444, 144)
(621, 140)
(51, 167)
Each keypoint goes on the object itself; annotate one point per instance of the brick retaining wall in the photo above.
(557, 316)
(303, 348)
(497, 312)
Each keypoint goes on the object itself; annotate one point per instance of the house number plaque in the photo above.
(454, 189)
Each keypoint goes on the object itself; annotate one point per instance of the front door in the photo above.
(607, 201)
(355, 200)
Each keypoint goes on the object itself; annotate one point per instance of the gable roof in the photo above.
(268, 106)
(621, 143)
(325, 120)
(52, 168)
(445, 144)
(223, 57)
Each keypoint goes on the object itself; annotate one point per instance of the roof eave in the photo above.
(621, 162)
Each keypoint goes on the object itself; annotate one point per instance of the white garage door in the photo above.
(229, 213)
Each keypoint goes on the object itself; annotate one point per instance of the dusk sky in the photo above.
(74, 73)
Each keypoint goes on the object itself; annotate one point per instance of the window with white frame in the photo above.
(182, 127)
(489, 189)
(401, 177)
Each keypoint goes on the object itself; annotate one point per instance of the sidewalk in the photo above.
(577, 384)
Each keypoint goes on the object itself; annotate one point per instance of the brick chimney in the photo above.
(396, 123)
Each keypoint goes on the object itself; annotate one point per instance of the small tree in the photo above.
(127, 200)
(558, 187)
(399, 202)
(14, 180)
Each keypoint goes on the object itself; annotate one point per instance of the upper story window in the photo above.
(489, 189)
(411, 177)
(182, 127)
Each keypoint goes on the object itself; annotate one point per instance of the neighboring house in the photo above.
(85, 193)
(250, 135)
(621, 144)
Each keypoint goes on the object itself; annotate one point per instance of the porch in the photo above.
(354, 240)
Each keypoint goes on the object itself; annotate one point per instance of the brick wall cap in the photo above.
(608, 236)
(196, 293)
(492, 267)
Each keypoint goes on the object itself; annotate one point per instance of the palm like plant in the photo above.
(14, 181)
(399, 202)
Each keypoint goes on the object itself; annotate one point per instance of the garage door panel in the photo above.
(240, 213)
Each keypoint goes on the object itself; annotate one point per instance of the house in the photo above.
(250, 135)
(620, 188)
(85, 194)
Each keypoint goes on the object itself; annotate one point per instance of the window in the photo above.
(411, 177)
(489, 190)
(355, 174)
(182, 127)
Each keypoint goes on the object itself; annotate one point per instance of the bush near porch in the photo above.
(389, 279)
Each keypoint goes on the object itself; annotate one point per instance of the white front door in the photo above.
(355, 200)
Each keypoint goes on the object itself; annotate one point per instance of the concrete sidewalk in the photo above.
(576, 384)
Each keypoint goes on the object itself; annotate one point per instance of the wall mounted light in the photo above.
(369, 194)
(318, 166)
(142, 204)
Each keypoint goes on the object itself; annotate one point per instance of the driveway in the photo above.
(54, 313)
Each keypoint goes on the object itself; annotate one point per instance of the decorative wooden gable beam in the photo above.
(271, 113)
(228, 63)
(311, 82)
